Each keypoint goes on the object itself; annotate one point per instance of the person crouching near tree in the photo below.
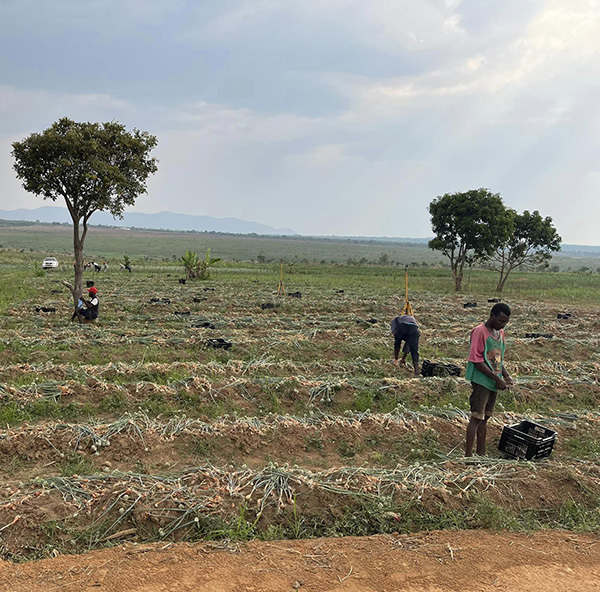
(486, 371)
(92, 306)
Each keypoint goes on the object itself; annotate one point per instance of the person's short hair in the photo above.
(500, 307)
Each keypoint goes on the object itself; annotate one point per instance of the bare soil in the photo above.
(425, 562)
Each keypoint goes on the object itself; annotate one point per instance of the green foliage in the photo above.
(468, 228)
(191, 264)
(92, 166)
(346, 449)
(76, 464)
(296, 528)
(583, 446)
(530, 244)
(363, 401)
(384, 259)
(487, 514)
(574, 515)
(156, 248)
(12, 412)
(114, 402)
(14, 287)
(312, 443)
(201, 447)
(423, 446)
(240, 529)
(196, 268)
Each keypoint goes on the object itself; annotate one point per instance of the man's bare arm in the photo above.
(507, 377)
(485, 369)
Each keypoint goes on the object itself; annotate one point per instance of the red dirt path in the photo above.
(426, 562)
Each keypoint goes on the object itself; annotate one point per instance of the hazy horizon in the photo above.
(121, 223)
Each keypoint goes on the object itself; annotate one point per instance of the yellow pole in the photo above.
(407, 307)
(280, 288)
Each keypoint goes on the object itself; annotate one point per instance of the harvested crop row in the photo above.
(63, 512)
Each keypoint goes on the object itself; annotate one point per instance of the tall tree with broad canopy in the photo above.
(531, 243)
(92, 166)
(468, 227)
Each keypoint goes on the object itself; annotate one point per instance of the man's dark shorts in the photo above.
(482, 401)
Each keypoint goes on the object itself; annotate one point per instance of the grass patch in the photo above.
(76, 464)
(583, 446)
(423, 446)
(201, 447)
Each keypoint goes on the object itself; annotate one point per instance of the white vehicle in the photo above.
(50, 263)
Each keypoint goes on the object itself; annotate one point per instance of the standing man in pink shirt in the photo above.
(486, 371)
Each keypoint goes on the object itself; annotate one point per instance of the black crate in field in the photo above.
(429, 368)
(527, 440)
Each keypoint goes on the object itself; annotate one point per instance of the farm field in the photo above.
(106, 243)
(134, 431)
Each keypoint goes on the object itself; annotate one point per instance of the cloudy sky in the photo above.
(342, 117)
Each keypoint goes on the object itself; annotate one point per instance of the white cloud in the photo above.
(13, 196)
(28, 110)
(328, 155)
(559, 48)
(226, 125)
(386, 24)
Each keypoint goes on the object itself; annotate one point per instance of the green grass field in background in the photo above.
(110, 243)
(334, 264)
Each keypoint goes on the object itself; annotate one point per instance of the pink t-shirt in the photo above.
(479, 336)
(489, 350)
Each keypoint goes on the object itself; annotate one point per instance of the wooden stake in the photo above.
(281, 288)
(407, 310)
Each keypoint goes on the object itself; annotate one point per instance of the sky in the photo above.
(330, 117)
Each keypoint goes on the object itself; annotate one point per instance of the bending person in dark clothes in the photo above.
(405, 328)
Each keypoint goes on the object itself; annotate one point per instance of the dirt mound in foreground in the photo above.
(432, 562)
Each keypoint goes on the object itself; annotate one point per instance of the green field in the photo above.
(135, 428)
(317, 262)
(144, 245)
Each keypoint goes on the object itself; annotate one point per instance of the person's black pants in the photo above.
(410, 335)
(86, 313)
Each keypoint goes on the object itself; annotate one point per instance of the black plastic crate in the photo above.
(429, 368)
(527, 440)
(218, 343)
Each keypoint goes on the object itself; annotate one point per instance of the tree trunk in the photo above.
(503, 277)
(502, 281)
(458, 282)
(77, 287)
(500, 285)
(457, 272)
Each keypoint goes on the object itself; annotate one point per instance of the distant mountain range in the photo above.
(162, 220)
(185, 222)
